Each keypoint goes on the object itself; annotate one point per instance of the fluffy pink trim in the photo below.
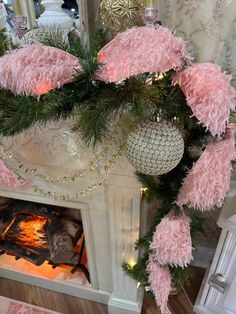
(36, 69)
(160, 281)
(209, 94)
(208, 182)
(139, 50)
(172, 242)
(9, 180)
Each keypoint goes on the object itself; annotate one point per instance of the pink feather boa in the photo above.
(209, 94)
(36, 69)
(208, 182)
(160, 282)
(139, 50)
(171, 243)
(9, 180)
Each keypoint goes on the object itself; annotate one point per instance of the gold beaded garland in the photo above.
(71, 178)
(106, 168)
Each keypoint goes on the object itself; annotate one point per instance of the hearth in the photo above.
(41, 233)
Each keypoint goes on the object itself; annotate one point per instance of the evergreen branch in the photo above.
(76, 47)
(181, 275)
(17, 114)
(138, 272)
(98, 40)
(198, 224)
(94, 131)
(59, 104)
(3, 43)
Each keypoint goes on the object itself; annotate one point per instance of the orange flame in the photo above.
(32, 232)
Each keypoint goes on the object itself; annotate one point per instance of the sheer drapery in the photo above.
(208, 25)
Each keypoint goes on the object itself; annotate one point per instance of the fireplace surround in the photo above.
(67, 174)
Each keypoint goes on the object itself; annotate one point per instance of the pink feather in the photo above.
(171, 243)
(9, 180)
(209, 94)
(160, 281)
(36, 69)
(208, 182)
(139, 50)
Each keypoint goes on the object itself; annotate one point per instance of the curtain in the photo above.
(208, 25)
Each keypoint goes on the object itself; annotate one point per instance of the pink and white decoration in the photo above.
(37, 69)
(208, 182)
(209, 94)
(9, 180)
(160, 282)
(171, 243)
(9, 306)
(139, 50)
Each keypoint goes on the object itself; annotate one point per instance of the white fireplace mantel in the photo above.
(110, 213)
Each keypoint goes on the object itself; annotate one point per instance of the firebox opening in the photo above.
(42, 234)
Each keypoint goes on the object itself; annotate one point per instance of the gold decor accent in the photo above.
(118, 15)
(92, 166)
(105, 171)
(68, 197)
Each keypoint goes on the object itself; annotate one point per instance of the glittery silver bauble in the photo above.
(155, 148)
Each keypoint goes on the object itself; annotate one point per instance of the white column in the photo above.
(124, 203)
(54, 16)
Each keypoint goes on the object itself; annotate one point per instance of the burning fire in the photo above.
(30, 232)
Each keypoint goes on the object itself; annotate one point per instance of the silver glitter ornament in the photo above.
(155, 148)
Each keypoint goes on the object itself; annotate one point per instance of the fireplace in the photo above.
(43, 234)
(107, 210)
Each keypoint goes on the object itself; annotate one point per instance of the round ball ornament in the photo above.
(154, 148)
(118, 15)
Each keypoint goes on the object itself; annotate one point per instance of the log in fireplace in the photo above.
(39, 233)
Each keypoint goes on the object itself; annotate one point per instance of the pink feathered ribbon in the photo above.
(160, 282)
(9, 180)
(209, 94)
(36, 69)
(171, 243)
(139, 50)
(208, 182)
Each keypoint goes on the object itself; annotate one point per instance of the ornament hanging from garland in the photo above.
(37, 69)
(171, 243)
(159, 278)
(209, 94)
(155, 148)
(135, 52)
(214, 163)
(118, 15)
